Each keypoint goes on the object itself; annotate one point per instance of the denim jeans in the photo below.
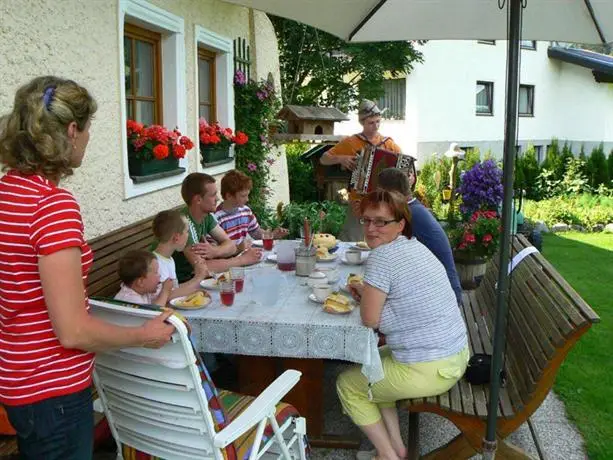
(55, 428)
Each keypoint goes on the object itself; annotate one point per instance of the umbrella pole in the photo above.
(510, 135)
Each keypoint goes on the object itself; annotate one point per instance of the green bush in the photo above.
(585, 210)
(597, 167)
(610, 163)
(293, 216)
(301, 176)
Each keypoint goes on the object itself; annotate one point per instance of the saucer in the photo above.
(210, 283)
(346, 262)
(330, 258)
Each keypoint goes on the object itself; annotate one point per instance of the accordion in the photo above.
(369, 163)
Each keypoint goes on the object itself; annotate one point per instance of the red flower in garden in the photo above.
(469, 238)
(160, 151)
(487, 239)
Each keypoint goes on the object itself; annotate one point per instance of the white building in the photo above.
(458, 95)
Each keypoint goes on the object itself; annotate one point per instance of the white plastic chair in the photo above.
(155, 403)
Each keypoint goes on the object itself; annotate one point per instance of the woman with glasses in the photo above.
(406, 295)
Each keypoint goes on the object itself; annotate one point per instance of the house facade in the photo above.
(161, 61)
(458, 95)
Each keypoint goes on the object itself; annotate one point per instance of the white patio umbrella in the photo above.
(578, 21)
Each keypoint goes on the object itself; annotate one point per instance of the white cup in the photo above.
(321, 292)
(353, 257)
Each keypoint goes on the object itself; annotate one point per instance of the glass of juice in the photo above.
(267, 240)
(226, 293)
(237, 275)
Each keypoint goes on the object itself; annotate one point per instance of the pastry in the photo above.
(355, 278)
(362, 245)
(223, 277)
(193, 300)
(337, 303)
(324, 239)
(322, 252)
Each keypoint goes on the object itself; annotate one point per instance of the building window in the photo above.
(485, 98)
(207, 107)
(143, 74)
(526, 100)
(528, 44)
(487, 42)
(394, 98)
(214, 74)
(152, 65)
(538, 153)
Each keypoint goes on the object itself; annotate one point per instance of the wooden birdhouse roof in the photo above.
(302, 112)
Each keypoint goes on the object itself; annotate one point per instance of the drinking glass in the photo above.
(267, 240)
(226, 293)
(237, 274)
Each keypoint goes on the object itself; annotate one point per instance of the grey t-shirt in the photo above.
(421, 319)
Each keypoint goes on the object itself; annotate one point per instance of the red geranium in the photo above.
(477, 237)
(155, 142)
(160, 151)
(214, 134)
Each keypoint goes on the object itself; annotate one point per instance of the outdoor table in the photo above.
(294, 332)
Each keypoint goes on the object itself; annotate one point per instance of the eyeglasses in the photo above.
(379, 223)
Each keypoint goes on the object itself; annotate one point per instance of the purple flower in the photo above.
(270, 161)
(239, 78)
(481, 188)
(261, 95)
(252, 167)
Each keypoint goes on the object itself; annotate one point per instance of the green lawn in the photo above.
(585, 381)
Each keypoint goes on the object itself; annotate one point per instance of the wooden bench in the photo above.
(103, 280)
(546, 318)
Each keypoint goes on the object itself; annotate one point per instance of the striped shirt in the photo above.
(237, 222)
(420, 318)
(36, 219)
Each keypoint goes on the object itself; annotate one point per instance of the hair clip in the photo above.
(48, 96)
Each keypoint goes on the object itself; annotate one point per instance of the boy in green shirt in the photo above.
(199, 192)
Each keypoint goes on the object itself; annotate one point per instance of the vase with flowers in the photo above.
(215, 142)
(475, 239)
(154, 149)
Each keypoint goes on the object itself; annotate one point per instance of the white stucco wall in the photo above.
(79, 40)
(440, 107)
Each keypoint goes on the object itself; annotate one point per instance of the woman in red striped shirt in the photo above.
(47, 337)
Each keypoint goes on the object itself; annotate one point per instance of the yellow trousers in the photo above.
(401, 381)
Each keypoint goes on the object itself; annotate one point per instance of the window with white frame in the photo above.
(394, 98)
(526, 100)
(485, 98)
(152, 69)
(215, 61)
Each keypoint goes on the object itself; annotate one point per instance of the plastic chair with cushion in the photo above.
(162, 404)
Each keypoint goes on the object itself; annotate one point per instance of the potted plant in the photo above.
(475, 238)
(474, 242)
(154, 149)
(215, 142)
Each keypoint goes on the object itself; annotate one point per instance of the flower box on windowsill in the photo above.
(150, 170)
(212, 155)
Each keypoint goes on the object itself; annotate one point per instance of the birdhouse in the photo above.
(305, 123)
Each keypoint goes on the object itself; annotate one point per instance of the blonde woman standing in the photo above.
(47, 337)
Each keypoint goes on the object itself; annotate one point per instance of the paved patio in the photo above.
(559, 438)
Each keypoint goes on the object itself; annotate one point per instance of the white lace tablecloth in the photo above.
(293, 327)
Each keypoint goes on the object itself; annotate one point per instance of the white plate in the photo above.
(209, 283)
(346, 262)
(174, 302)
(312, 298)
(330, 258)
(271, 258)
(351, 304)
